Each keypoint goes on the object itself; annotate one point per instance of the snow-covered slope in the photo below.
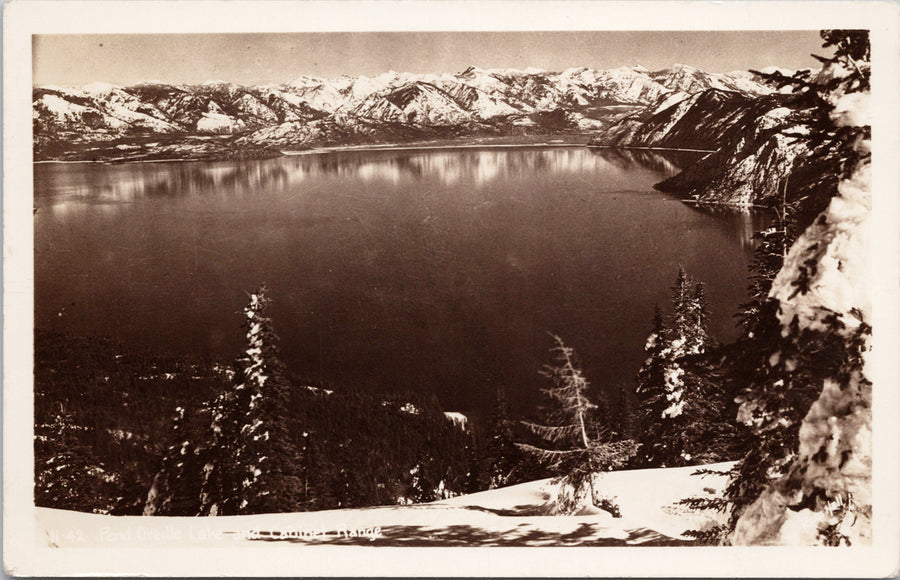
(687, 79)
(413, 103)
(706, 120)
(754, 142)
(475, 101)
(518, 515)
(756, 145)
(96, 109)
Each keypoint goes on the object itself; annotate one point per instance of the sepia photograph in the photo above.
(296, 291)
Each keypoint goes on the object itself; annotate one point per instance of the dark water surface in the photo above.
(438, 270)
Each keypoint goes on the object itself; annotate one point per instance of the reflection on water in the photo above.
(743, 223)
(667, 163)
(93, 183)
(421, 270)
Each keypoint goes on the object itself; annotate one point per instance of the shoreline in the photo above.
(591, 146)
(400, 147)
(277, 154)
(403, 147)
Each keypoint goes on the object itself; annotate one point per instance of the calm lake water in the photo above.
(437, 270)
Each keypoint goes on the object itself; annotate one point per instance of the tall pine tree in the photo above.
(504, 460)
(258, 467)
(575, 449)
(681, 409)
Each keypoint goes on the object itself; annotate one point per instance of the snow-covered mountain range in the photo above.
(157, 119)
(753, 141)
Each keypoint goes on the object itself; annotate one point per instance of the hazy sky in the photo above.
(263, 58)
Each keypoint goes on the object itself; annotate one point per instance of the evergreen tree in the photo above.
(680, 408)
(425, 482)
(700, 316)
(688, 332)
(218, 488)
(768, 258)
(319, 473)
(503, 458)
(175, 489)
(787, 363)
(257, 469)
(477, 477)
(68, 474)
(265, 448)
(570, 451)
(766, 449)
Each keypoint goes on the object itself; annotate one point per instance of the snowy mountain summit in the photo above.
(390, 107)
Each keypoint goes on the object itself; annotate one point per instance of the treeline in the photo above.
(127, 432)
(115, 428)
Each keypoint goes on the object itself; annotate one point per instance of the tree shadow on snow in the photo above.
(519, 510)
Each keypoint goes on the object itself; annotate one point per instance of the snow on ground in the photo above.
(518, 515)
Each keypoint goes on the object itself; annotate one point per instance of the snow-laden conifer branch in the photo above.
(555, 433)
(818, 489)
(548, 453)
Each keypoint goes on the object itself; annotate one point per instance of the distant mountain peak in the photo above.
(773, 69)
(305, 80)
(390, 106)
(574, 71)
(99, 88)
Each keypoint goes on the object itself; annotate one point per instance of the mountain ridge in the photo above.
(760, 153)
(105, 121)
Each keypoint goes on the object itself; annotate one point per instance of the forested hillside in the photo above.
(112, 424)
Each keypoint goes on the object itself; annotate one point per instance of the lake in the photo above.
(429, 270)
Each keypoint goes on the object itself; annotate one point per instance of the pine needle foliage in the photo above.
(780, 371)
(683, 409)
(255, 468)
(817, 93)
(575, 445)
